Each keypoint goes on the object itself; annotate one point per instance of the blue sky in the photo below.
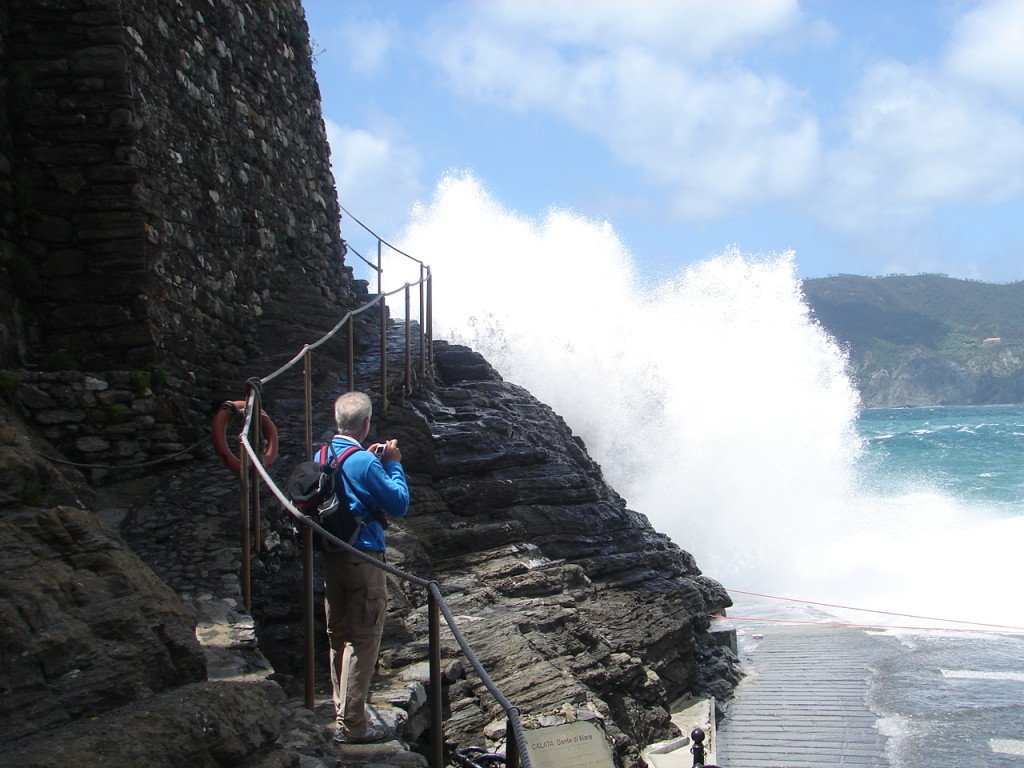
(868, 136)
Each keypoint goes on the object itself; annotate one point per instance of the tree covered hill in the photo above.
(926, 339)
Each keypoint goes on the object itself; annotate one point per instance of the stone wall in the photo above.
(166, 195)
(11, 342)
(103, 419)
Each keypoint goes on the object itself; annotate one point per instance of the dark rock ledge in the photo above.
(573, 603)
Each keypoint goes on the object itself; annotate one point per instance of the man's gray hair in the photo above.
(350, 410)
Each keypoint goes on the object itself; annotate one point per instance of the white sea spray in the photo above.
(715, 405)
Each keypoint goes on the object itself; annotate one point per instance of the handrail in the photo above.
(511, 711)
(378, 237)
(330, 334)
(366, 261)
(516, 745)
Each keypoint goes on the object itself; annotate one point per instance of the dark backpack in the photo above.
(317, 489)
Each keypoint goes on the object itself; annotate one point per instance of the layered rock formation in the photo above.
(571, 600)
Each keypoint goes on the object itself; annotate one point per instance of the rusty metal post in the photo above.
(697, 750)
(408, 343)
(383, 354)
(307, 373)
(511, 746)
(380, 267)
(436, 697)
(430, 319)
(423, 356)
(351, 355)
(307, 571)
(256, 439)
(243, 474)
(307, 546)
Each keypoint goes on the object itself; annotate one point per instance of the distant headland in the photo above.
(926, 339)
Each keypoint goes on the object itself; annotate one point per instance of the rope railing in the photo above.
(249, 458)
(366, 261)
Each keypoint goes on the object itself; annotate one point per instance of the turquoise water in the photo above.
(974, 454)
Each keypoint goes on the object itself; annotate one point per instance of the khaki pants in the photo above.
(355, 601)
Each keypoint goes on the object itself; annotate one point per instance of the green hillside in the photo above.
(926, 339)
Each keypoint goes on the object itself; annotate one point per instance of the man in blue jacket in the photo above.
(355, 591)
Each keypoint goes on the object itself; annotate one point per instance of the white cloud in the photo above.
(690, 30)
(917, 141)
(656, 82)
(376, 175)
(669, 88)
(987, 48)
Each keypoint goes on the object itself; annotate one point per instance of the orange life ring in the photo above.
(220, 438)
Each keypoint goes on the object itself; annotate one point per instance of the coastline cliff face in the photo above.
(926, 339)
(574, 604)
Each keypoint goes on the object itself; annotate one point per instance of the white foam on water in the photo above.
(977, 674)
(1007, 746)
(716, 406)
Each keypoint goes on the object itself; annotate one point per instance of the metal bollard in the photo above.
(697, 736)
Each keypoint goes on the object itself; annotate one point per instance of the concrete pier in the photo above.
(803, 703)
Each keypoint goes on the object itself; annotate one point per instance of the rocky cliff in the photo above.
(165, 203)
(569, 598)
(573, 603)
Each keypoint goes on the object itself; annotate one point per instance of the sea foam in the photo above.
(715, 405)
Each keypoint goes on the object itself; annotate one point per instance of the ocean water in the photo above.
(953, 697)
(721, 410)
(973, 453)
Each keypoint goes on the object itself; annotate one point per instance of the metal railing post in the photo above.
(511, 746)
(257, 440)
(430, 318)
(307, 546)
(423, 356)
(436, 697)
(383, 354)
(307, 572)
(380, 267)
(307, 373)
(697, 750)
(351, 354)
(243, 475)
(408, 343)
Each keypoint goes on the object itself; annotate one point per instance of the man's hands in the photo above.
(386, 451)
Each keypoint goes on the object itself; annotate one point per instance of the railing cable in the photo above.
(511, 711)
(378, 237)
(250, 460)
(874, 610)
(370, 264)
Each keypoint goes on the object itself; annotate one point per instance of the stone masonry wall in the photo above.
(237, 175)
(11, 327)
(167, 199)
(102, 419)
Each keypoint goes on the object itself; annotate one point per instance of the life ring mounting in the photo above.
(220, 439)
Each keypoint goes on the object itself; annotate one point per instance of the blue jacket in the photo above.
(383, 484)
